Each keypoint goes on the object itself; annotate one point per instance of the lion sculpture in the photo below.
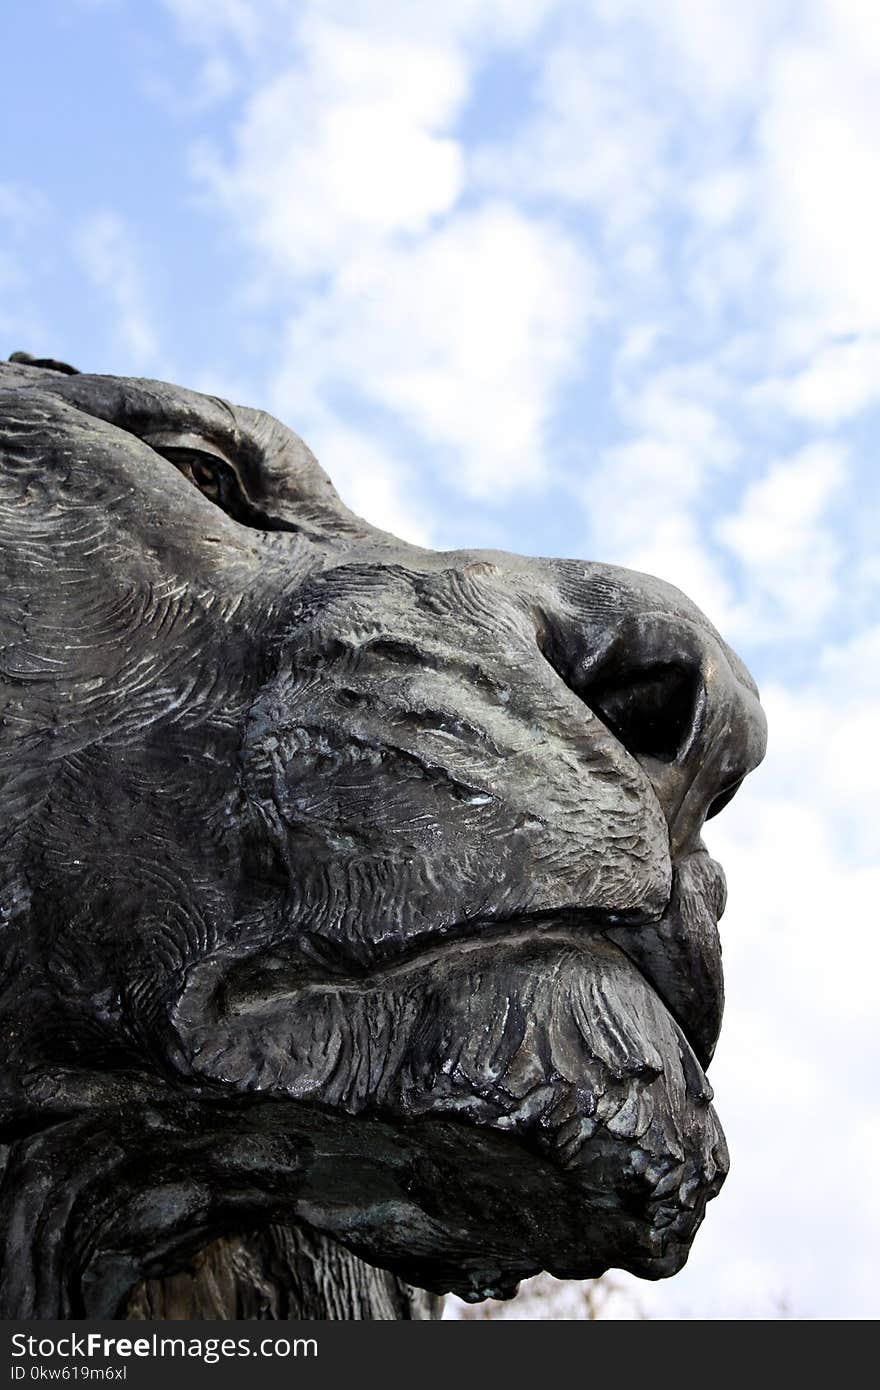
(356, 924)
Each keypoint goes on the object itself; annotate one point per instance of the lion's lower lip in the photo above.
(678, 963)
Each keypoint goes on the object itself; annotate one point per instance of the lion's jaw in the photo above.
(557, 1043)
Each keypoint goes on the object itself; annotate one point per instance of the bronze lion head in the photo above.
(345, 883)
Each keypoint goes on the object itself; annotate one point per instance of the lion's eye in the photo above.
(207, 476)
(211, 475)
(206, 468)
(220, 479)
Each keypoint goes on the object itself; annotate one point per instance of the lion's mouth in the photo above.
(542, 1028)
(678, 955)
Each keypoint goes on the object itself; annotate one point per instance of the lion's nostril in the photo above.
(723, 798)
(651, 711)
(669, 691)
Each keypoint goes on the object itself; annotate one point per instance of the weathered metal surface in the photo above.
(345, 884)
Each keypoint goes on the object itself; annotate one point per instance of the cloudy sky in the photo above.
(595, 278)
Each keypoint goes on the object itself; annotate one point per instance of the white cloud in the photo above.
(343, 148)
(373, 484)
(640, 521)
(783, 538)
(248, 24)
(466, 335)
(720, 196)
(820, 167)
(682, 405)
(794, 1075)
(646, 497)
(349, 148)
(824, 736)
(593, 139)
(459, 323)
(670, 544)
(108, 254)
(717, 51)
(839, 381)
(254, 23)
(760, 124)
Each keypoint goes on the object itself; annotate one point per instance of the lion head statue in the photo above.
(344, 882)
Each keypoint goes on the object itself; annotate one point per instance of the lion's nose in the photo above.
(676, 697)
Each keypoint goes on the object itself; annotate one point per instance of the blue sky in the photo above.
(584, 277)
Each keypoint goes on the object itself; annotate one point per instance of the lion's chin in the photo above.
(612, 1148)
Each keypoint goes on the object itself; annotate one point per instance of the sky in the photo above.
(594, 278)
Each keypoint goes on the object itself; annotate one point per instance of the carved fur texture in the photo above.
(344, 883)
